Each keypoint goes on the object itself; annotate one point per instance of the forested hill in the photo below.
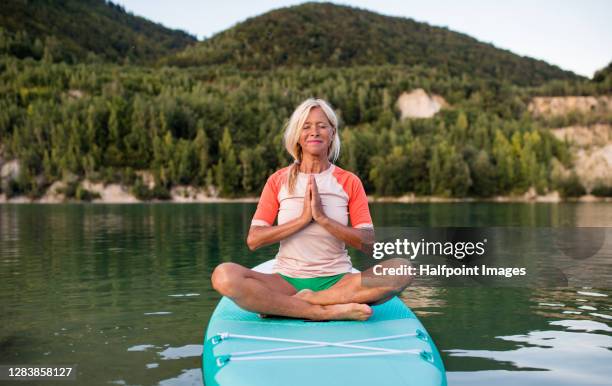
(325, 34)
(73, 30)
(94, 107)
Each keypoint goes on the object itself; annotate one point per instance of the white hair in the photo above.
(293, 130)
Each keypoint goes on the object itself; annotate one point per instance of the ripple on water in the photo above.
(190, 377)
(183, 295)
(141, 347)
(571, 357)
(552, 304)
(594, 294)
(604, 316)
(582, 325)
(187, 351)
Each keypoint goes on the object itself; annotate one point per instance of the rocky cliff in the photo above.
(591, 142)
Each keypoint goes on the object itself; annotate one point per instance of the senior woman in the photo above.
(313, 199)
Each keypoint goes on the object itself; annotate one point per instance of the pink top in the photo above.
(313, 251)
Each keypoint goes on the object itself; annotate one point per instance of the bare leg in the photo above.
(270, 294)
(351, 288)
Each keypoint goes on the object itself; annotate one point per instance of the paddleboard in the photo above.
(391, 348)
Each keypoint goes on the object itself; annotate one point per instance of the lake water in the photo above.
(123, 291)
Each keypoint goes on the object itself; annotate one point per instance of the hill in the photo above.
(83, 116)
(72, 30)
(604, 74)
(325, 34)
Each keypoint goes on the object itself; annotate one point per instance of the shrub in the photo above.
(142, 192)
(602, 190)
(83, 194)
(571, 187)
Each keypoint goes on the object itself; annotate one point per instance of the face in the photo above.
(317, 133)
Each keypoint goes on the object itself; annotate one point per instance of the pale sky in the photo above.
(574, 35)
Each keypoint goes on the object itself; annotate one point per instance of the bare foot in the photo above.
(349, 311)
(304, 294)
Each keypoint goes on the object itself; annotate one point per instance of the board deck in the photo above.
(319, 365)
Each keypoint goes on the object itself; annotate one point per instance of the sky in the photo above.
(574, 35)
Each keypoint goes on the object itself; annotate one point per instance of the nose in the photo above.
(314, 133)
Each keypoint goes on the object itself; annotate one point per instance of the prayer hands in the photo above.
(315, 201)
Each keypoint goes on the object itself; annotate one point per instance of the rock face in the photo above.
(594, 166)
(554, 106)
(184, 193)
(54, 194)
(419, 104)
(592, 149)
(75, 94)
(10, 169)
(112, 193)
(591, 145)
(598, 135)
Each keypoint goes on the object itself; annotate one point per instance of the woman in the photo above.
(313, 199)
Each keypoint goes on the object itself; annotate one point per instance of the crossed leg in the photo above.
(363, 287)
(270, 294)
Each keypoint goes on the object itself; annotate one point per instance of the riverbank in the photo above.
(529, 196)
(118, 194)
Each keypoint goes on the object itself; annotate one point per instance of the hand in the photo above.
(317, 209)
(307, 211)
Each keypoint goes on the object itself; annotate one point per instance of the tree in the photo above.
(504, 161)
(253, 169)
(448, 173)
(417, 167)
(483, 175)
(460, 128)
(227, 169)
(200, 147)
(389, 173)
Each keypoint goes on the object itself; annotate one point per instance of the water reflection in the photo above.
(124, 291)
(191, 377)
(577, 352)
(424, 300)
(190, 350)
(582, 325)
(554, 303)
(552, 357)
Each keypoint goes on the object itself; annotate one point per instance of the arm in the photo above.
(359, 238)
(260, 236)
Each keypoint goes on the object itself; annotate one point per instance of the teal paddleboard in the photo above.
(390, 348)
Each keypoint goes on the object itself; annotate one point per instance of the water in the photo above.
(123, 291)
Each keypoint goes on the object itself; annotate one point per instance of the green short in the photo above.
(313, 283)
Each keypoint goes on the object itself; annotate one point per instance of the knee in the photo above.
(225, 278)
(399, 282)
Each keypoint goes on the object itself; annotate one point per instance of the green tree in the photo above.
(227, 169)
(389, 173)
(200, 147)
(253, 168)
(448, 173)
(504, 161)
(483, 175)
